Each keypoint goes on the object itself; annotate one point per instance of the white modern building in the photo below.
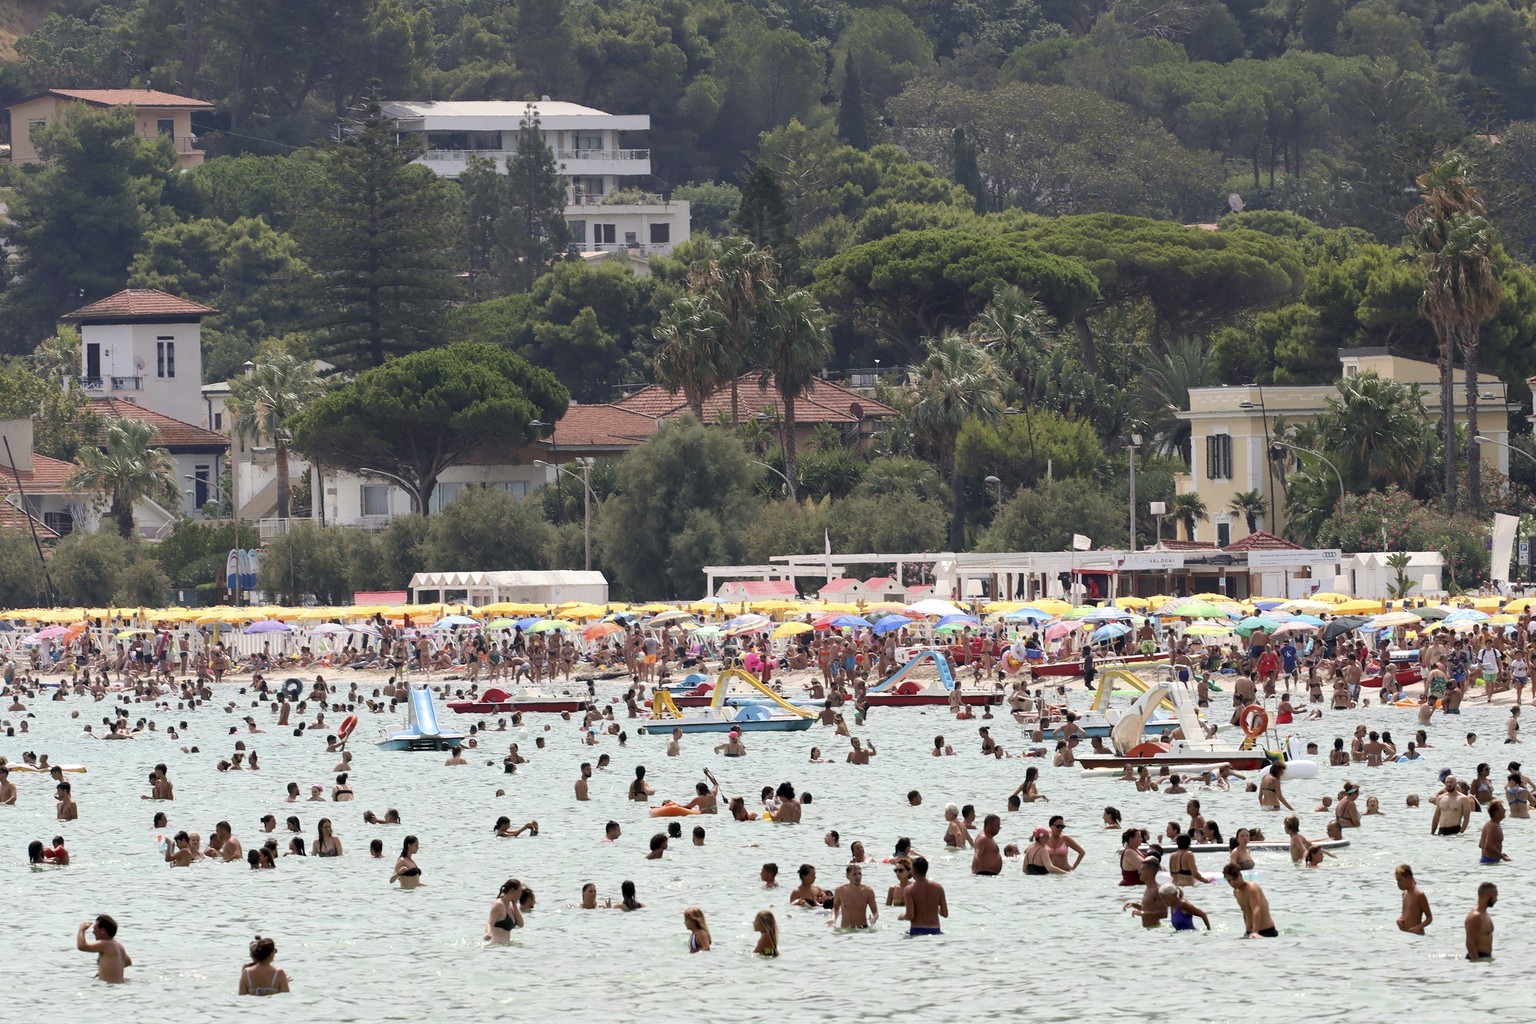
(144, 346)
(589, 146)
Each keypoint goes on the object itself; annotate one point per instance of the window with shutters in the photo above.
(1218, 457)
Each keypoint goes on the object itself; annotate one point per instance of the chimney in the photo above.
(18, 434)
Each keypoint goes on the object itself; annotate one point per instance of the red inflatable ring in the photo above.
(347, 725)
(1253, 721)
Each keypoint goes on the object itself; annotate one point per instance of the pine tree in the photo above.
(381, 241)
(484, 190)
(534, 232)
(852, 116)
(762, 215)
(967, 171)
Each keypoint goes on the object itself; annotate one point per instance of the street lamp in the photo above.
(586, 500)
(775, 472)
(1269, 468)
(1308, 451)
(1488, 440)
(1135, 443)
(995, 484)
(421, 506)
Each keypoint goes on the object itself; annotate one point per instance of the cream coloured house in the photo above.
(1231, 428)
(155, 114)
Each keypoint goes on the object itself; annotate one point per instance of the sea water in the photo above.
(1058, 948)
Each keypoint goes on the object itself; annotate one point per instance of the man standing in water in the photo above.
(112, 959)
(1254, 904)
(925, 902)
(987, 860)
(853, 904)
(1416, 914)
(1479, 924)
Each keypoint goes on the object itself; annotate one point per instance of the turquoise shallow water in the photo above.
(1052, 949)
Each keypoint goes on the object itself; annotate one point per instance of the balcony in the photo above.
(117, 383)
(450, 163)
(603, 154)
(270, 528)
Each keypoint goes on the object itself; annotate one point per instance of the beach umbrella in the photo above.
(449, 621)
(1197, 610)
(330, 629)
(933, 606)
(1306, 620)
(1524, 604)
(1110, 631)
(707, 631)
(1342, 624)
(1360, 606)
(1079, 613)
(791, 629)
(1107, 614)
(1391, 620)
(1208, 629)
(553, 626)
(891, 623)
(1057, 630)
(1433, 613)
(1134, 603)
(49, 633)
(268, 626)
(672, 615)
(1307, 607)
(953, 627)
(528, 622)
(1466, 615)
(501, 624)
(854, 622)
(599, 630)
(1050, 605)
(959, 620)
(1029, 614)
(366, 630)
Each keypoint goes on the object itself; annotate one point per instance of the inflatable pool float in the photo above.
(672, 810)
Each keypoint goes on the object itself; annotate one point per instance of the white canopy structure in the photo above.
(549, 586)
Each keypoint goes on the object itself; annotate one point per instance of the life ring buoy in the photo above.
(672, 810)
(1253, 721)
(347, 725)
(292, 688)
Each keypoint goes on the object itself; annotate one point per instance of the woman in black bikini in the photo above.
(326, 845)
(505, 914)
(1037, 859)
(406, 870)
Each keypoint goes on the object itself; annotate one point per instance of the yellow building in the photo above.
(1231, 427)
(155, 113)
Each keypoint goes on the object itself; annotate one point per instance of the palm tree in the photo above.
(262, 403)
(1450, 295)
(1188, 509)
(795, 343)
(738, 281)
(128, 469)
(1376, 431)
(957, 381)
(1019, 333)
(1466, 268)
(1249, 505)
(1165, 385)
(689, 355)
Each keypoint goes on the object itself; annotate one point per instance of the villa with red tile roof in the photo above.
(156, 114)
(856, 415)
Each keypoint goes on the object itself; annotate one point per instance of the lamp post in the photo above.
(775, 472)
(1135, 443)
(996, 485)
(586, 501)
(1269, 469)
(1277, 443)
(410, 488)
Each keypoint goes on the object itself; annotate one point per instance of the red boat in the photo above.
(897, 692)
(1405, 677)
(1074, 669)
(921, 698)
(497, 702)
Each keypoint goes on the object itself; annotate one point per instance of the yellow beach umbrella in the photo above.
(1358, 606)
(791, 629)
(1332, 597)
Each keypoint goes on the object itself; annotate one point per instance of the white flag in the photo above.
(1080, 543)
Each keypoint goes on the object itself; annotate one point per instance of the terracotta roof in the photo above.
(601, 426)
(1261, 540)
(1186, 545)
(139, 304)
(47, 476)
(131, 98)
(823, 402)
(169, 431)
(13, 518)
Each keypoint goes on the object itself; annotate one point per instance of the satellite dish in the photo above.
(856, 410)
(1235, 201)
